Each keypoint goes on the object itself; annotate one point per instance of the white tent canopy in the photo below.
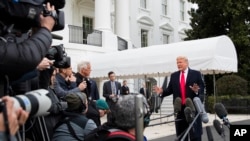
(210, 56)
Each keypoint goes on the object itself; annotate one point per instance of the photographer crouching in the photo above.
(21, 51)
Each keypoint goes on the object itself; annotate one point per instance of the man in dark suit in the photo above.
(111, 91)
(125, 88)
(193, 86)
(83, 74)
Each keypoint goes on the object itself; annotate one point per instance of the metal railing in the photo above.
(76, 36)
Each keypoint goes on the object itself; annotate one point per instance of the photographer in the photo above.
(23, 56)
(21, 51)
(15, 118)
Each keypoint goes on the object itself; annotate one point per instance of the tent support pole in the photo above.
(158, 75)
(215, 94)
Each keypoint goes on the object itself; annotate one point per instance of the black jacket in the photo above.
(17, 59)
(79, 79)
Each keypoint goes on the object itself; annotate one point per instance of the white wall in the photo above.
(150, 19)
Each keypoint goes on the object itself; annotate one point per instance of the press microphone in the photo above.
(190, 104)
(218, 127)
(200, 108)
(177, 105)
(209, 134)
(188, 114)
(222, 113)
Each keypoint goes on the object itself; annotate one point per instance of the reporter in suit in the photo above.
(125, 88)
(111, 91)
(193, 87)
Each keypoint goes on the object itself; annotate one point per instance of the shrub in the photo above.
(234, 104)
(231, 85)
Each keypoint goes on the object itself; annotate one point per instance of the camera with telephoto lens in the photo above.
(19, 16)
(37, 102)
(58, 54)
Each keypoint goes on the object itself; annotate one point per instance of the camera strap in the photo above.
(3, 109)
(4, 85)
(1, 88)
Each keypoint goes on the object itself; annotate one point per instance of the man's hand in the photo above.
(44, 64)
(15, 117)
(72, 78)
(112, 96)
(82, 85)
(195, 88)
(48, 21)
(157, 90)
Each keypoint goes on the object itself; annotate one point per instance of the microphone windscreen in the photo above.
(200, 109)
(220, 110)
(198, 105)
(218, 126)
(189, 103)
(188, 114)
(177, 104)
(204, 118)
(209, 134)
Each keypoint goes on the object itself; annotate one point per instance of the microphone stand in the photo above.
(164, 122)
(162, 117)
(178, 137)
(190, 126)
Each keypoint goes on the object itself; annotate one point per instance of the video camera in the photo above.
(58, 54)
(21, 15)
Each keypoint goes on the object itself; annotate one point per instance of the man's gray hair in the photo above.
(124, 113)
(82, 64)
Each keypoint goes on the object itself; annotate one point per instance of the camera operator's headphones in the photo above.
(82, 106)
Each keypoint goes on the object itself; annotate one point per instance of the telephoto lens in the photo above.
(37, 102)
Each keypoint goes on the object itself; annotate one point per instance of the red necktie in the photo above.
(182, 86)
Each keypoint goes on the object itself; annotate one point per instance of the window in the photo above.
(87, 25)
(182, 5)
(143, 4)
(144, 38)
(165, 38)
(164, 7)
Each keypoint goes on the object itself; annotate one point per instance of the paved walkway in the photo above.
(167, 129)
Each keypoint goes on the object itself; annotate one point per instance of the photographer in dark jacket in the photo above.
(25, 56)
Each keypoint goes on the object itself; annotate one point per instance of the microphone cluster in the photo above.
(191, 108)
(197, 106)
(190, 114)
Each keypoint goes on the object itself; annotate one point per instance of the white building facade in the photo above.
(101, 26)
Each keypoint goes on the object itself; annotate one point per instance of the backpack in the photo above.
(79, 120)
(105, 133)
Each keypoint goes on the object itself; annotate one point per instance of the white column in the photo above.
(102, 15)
(122, 19)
